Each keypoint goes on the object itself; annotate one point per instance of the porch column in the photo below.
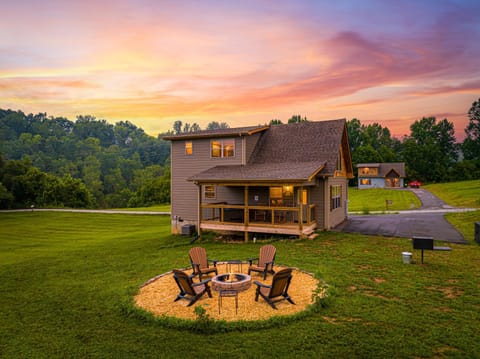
(246, 211)
(300, 213)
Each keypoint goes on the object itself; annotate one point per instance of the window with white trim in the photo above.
(222, 148)
(335, 197)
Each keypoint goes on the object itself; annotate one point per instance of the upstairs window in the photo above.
(222, 148)
(365, 171)
(188, 148)
(335, 197)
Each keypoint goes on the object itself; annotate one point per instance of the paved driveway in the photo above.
(428, 221)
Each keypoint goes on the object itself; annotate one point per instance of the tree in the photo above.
(297, 119)
(177, 127)
(471, 144)
(103, 156)
(89, 126)
(195, 127)
(91, 174)
(6, 198)
(275, 121)
(214, 125)
(430, 150)
(354, 131)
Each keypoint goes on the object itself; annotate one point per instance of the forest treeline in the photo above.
(52, 161)
(90, 163)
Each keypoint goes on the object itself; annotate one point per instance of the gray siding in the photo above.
(262, 194)
(231, 195)
(184, 194)
(375, 182)
(317, 197)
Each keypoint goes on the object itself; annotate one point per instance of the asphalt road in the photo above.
(427, 221)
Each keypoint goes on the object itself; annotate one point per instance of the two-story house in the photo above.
(284, 179)
(381, 175)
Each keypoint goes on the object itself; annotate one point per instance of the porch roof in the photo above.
(261, 172)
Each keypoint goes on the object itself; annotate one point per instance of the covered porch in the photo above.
(276, 209)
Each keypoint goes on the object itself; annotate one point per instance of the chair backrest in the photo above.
(280, 282)
(267, 254)
(198, 255)
(184, 282)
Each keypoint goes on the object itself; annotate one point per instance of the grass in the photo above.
(67, 280)
(465, 223)
(374, 200)
(156, 208)
(459, 194)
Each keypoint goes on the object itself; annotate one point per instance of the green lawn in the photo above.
(375, 200)
(67, 281)
(156, 208)
(459, 194)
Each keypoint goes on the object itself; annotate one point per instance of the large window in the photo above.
(335, 197)
(222, 148)
(281, 196)
(209, 192)
(366, 182)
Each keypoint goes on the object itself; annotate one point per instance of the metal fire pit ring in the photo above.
(224, 282)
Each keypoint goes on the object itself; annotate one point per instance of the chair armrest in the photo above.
(214, 261)
(268, 263)
(261, 284)
(442, 248)
(250, 260)
(202, 282)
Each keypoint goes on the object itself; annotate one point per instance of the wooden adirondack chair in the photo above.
(189, 290)
(200, 262)
(278, 288)
(265, 261)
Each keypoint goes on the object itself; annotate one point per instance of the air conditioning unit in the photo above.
(188, 230)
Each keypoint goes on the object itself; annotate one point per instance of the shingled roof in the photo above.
(221, 132)
(293, 152)
(384, 168)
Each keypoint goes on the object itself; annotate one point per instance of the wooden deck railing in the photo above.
(258, 215)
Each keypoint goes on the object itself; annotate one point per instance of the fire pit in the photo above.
(231, 282)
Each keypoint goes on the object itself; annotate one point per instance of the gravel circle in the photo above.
(158, 294)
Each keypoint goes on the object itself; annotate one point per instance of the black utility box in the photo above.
(188, 229)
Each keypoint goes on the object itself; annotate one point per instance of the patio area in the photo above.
(158, 295)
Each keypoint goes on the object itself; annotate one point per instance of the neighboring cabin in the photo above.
(285, 179)
(381, 175)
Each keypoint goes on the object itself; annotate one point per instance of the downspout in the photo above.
(199, 214)
(326, 204)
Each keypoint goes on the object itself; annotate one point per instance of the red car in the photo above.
(415, 184)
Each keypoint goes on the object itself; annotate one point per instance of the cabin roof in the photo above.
(222, 132)
(292, 152)
(385, 168)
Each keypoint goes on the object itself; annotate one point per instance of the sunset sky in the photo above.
(152, 62)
